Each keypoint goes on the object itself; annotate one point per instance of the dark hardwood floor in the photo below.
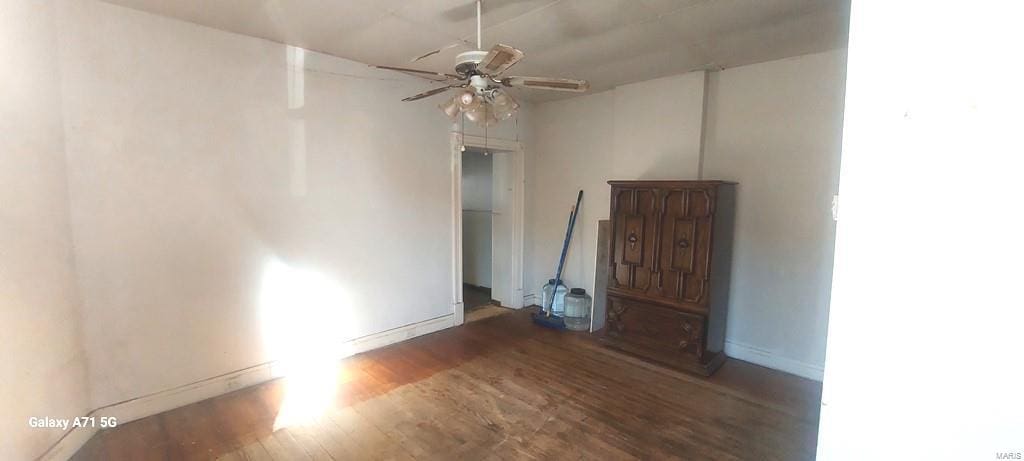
(474, 297)
(499, 388)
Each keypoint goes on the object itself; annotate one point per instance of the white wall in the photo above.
(572, 151)
(43, 367)
(776, 129)
(476, 217)
(192, 187)
(205, 171)
(924, 338)
(657, 128)
(646, 130)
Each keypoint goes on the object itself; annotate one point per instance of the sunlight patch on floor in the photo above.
(306, 321)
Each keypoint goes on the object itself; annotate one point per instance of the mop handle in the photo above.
(565, 249)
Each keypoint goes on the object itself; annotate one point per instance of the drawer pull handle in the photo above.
(632, 238)
(683, 344)
(684, 243)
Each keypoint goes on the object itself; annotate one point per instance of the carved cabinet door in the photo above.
(634, 234)
(684, 245)
(661, 242)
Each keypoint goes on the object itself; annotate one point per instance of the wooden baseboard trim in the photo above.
(159, 402)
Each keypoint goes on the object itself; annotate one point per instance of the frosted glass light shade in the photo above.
(477, 114)
(485, 110)
(504, 105)
(490, 119)
(450, 108)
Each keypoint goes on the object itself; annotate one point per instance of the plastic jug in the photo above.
(546, 292)
(577, 310)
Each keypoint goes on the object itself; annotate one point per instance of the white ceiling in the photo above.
(608, 42)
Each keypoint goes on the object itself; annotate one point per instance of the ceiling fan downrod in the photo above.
(479, 39)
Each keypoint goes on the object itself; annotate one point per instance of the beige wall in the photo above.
(42, 369)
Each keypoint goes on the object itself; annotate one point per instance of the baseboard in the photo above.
(397, 335)
(148, 405)
(69, 444)
(529, 300)
(517, 294)
(766, 358)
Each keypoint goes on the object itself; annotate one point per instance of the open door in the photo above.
(502, 227)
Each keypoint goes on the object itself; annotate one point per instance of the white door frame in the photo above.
(515, 149)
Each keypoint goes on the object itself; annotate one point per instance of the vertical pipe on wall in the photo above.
(703, 125)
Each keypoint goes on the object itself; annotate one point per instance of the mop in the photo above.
(546, 317)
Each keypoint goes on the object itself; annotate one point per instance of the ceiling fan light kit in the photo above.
(487, 106)
(482, 98)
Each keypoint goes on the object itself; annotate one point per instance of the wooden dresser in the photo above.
(668, 274)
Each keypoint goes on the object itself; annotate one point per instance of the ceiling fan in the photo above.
(478, 77)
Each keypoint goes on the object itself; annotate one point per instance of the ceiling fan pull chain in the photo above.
(479, 39)
(516, 115)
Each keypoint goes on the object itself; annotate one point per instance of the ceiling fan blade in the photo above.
(460, 43)
(545, 83)
(499, 59)
(435, 76)
(429, 93)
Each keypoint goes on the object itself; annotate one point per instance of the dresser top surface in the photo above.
(667, 183)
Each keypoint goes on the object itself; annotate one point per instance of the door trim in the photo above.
(515, 149)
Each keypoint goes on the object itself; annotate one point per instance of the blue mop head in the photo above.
(554, 321)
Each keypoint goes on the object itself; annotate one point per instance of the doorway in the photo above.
(477, 229)
(487, 219)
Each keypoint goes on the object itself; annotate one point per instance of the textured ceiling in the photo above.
(608, 42)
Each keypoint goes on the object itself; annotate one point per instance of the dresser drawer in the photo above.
(655, 332)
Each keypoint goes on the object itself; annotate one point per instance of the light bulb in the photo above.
(468, 101)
